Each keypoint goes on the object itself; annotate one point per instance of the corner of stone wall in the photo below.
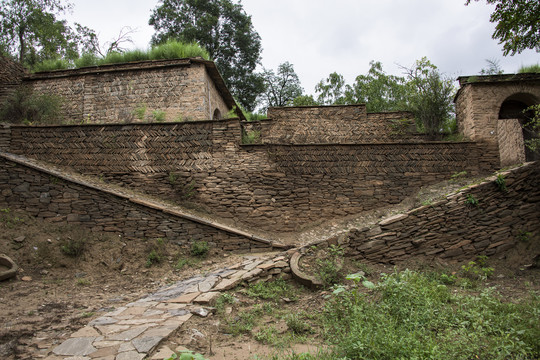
(5, 137)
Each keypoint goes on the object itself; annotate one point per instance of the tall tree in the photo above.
(378, 90)
(282, 88)
(518, 24)
(225, 30)
(331, 90)
(31, 32)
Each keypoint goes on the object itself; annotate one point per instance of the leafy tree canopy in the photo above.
(518, 24)
(282, 88)
(31, 32)
(225, 30)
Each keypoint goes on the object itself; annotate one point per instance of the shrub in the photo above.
(251, 137)
(199, 248)
(52, 64)
(26, 107)
(153, 258)
(73, 247)
(86, 60)
(158, 115)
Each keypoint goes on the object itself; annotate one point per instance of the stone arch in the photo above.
(217, 115)
(511, 132)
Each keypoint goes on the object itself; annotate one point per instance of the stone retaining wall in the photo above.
(57, 198)
(273, 187)
(343, 124)
(456, 229)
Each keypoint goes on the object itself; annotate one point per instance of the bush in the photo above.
(54, 64)
(26, 107)
(199, 248)
(73, 247)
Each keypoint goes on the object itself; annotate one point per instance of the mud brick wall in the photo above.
(349, 124)
(278, 188)
(111, 93)
(453, 229)
(511, 144)
(57, 199)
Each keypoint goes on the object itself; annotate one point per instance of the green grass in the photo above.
(170, 50)
(273, 290)
(409, 315)
(535, 68)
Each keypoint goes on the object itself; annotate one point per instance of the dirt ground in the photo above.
(55, 293)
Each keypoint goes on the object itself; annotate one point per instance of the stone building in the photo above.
(490, 109)
(159, 90)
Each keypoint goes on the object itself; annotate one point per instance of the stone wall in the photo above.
(348, 124)
(58, 198)
(278, 188)
(183, 89)
(11, 74)
(456, 229)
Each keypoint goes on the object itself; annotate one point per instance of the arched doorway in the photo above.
(512, 131)
(217, 115)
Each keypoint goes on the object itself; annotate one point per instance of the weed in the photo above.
(158, 115)
(524, 236)
(73, 247)
(410, 315)
(186, 355)
(87, 314)
(183, 261)
(477, 269)
(328, 269)
(199, 248)
(140, 112)
(471, 200)
(271, 290)
(153, 258)
(222, 300)
(251, 137)
(244, 322)
(173, 177)
(267, 335)
(501, 183)
(83, 282)
(189, 190)
(297, 325)
(458, 175)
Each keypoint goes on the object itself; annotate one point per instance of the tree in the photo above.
(282, 88)
(518, 24)
(225, 30)
(31, 32)
(430, 98)
(331, 90)
(379, 91)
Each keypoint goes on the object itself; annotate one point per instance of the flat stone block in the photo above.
(147, 343)
(81, 346)
(207, 298)
(87, 331)
(130, 355)
(185, 299)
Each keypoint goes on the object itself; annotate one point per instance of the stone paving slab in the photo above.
(135, 330)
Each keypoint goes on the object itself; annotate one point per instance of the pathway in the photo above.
(136, 330)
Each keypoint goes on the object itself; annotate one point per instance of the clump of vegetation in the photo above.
(27, 107)
(199, 248)
(329, 268)
(186, 355)
(471, 200)
(73, 246)
(140, 112)
(251, 137)
(535, 68)
(477, 269)
(156, 251)
(501, 183)
(410, 315)
(158, 115)
(272, 290)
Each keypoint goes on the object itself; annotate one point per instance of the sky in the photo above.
(323, 36)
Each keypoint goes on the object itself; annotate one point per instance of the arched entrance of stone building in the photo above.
(512, 132)
(217, 115)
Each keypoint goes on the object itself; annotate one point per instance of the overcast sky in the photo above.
(321, 36)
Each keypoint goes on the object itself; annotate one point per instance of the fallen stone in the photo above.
(202, 312)
(227, 284)
(104, 320)
(130, 355)
(86, 331)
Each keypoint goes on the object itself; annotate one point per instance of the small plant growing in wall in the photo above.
(399, 126)
(251, 137)
(501, 183)
(158, 115)
(173, 177)
(471, 200)
(140, 112)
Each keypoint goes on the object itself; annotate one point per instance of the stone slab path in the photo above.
(135, 330)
